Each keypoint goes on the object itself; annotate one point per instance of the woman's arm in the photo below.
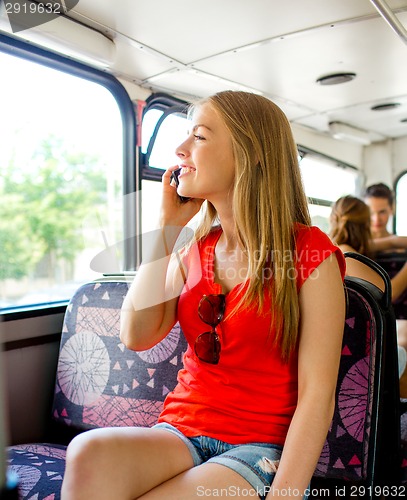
(399, 283)
(392, 242)
(149, 308)
(322, 309)
(360, 270)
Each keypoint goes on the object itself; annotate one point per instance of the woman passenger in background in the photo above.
(350, 229)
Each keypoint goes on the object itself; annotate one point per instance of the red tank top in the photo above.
(251, 394)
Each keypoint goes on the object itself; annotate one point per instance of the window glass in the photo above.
(150, 199)
(401, 206)
(150, 120)
(172, 132)
(320, 216)
(325, 182)
(61, 167)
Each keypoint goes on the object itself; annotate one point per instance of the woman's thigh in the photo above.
(122, 463)
(204, 481)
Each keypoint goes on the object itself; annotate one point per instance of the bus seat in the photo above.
(99, 383)
(363, 442)
(392, 262)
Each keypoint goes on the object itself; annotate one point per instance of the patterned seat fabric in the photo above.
(404, 446)
(99, 383)
(345, 454)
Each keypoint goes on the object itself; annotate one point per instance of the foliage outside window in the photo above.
(60, 181)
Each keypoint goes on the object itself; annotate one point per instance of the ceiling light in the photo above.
(385, 106)
(346, 132)
(336, 78)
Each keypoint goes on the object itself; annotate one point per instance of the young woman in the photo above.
(260, 299)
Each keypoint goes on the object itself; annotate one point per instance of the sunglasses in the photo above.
(211, 309)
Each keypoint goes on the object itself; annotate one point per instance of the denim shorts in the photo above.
(255, 462)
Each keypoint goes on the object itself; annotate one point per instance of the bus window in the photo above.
(401, 205)
(61, 163)
(325, 181)
(161, 134)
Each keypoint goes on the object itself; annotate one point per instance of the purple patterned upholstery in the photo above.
(99, 383)
(404, 447)
(345, 454)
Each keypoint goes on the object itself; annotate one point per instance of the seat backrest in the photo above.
(99, 381)
(392, 262)
(367, 390)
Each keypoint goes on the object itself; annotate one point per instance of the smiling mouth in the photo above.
(186, 170)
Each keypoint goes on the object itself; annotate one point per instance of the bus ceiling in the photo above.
(338, 68)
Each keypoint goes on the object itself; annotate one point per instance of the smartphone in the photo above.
(174, 177)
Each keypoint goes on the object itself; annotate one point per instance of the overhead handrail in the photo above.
(389, 16)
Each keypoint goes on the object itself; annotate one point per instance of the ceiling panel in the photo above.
(214, 26)
(279, 69)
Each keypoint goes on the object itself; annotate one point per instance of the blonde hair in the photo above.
(350, 224)
(268, 199)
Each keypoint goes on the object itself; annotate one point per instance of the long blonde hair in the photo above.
(268, 199)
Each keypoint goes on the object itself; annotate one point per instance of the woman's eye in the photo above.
(199, 137)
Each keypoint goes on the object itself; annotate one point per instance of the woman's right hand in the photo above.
(173, 211)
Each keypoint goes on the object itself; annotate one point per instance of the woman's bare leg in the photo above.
(208, 480)
(122, 463)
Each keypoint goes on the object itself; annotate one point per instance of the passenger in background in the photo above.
(380, 200)
(350, 230)
(260, 299)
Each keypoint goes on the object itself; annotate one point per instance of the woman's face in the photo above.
(380, 212)
(206, 157)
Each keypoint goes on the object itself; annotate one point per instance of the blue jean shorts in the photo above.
(255, 462)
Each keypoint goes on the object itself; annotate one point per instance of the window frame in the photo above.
(168, 105)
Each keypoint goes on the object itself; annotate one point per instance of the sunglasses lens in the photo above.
(207, 347)
(211, 309)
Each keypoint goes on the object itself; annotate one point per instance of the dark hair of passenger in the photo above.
(350, 224)
(379, 190)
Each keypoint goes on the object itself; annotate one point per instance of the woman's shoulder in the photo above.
(311, 236)
(313, 246)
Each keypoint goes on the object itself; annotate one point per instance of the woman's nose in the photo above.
(182, 151)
